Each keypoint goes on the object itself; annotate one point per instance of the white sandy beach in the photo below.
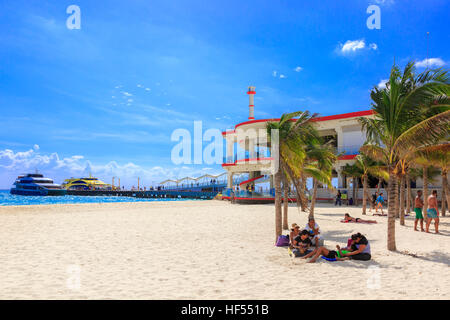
(205, 250)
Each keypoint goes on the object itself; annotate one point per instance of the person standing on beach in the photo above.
(338, 198)
(433, 212)
(380, 202)
(418, 205)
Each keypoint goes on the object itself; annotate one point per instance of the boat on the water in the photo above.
(90, 183)
(35, 184)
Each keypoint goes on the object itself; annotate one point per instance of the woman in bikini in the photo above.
(348, 218)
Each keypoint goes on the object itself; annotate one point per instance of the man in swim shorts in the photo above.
(418, 205)
(432, 212)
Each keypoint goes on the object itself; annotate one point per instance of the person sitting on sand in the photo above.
(348, 218)
(313, 228)
(295, 231)
(301, 244)
(359, 249)
(418, 205)
(432, 212)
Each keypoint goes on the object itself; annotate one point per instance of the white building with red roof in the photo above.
(247, 151)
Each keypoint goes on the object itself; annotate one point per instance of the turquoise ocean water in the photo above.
(7, 199)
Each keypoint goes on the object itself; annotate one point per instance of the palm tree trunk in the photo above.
(313, 199)
(277, 182)
(354, 191)
(357, 192)
(392, 194)
(285, 205)
(445, 193)
(397, 207)
(402, 201)
(304, 201)
(425, 190)
(364, 204)
(379, 186)
(408, 193)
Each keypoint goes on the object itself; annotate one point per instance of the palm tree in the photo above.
(290, 154)
(321, 157)
(285, 201)
(368, 166)
(402, 123)
(353, 171)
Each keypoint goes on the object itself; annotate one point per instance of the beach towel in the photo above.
(385, 214)
(349, 242)
(328, 259)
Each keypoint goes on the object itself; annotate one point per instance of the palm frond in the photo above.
(424, 133)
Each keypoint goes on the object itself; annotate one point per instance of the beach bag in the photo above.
(282, 241)
(349, 242)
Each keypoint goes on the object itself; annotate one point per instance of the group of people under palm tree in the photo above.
(308, 243)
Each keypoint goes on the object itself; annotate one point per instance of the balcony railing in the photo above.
(261, 154)
(247, 155)
(348, 150)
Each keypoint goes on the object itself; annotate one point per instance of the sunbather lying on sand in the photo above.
(348, 218)
(322, 251)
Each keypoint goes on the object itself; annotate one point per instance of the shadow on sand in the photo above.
(434, 256)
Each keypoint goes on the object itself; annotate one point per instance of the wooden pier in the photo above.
(156, 194)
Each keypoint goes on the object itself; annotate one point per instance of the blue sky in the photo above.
(106, 98)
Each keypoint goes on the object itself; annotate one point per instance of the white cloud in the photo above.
(282, 76)
(382, 83)
(373, 46)
(431, 63)
(36, 147)
(298, 69)
(51, 165)
(126, 94)
(352, 46)
(274, 73)
(147, 89)
(139, 86)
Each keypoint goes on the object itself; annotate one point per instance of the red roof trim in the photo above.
(246, 160)
(347, 157)
(325, 118)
